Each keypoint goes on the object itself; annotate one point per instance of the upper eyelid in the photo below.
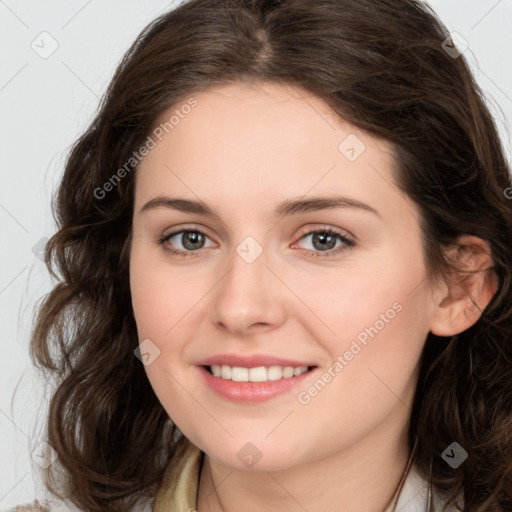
(177, 231)
(324, 227)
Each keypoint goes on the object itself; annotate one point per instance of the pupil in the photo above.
(324, 239)
(193, 238)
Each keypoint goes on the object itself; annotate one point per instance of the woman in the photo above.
(284, 245)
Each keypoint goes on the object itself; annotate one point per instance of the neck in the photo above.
(363, 477)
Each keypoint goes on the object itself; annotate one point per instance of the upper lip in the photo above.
(251, 361)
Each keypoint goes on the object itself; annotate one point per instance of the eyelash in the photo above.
(349, 244)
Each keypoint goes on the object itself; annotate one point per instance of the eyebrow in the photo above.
(286, 208)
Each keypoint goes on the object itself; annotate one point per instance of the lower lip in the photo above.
(252, 392)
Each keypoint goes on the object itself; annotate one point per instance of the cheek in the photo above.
(162, 295)
(161, 300)
(375, 318)
(167, 304)
(347, 300)
(373, 361)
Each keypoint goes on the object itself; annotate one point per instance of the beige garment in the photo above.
(178, 492)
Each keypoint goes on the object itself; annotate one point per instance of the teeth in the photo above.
(275, 373)
(257, 374)
(240, 374)
(288, 372)
(225, 372)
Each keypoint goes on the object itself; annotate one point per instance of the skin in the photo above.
(242, 150)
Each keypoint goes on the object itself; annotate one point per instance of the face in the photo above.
(291, 246)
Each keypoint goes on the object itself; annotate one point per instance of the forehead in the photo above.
(263, 141)
(282, 116)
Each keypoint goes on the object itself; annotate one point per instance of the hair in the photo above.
(379, 64)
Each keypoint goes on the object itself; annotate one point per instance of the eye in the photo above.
(324, 242)
(190, 239)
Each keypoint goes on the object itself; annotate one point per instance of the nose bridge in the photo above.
(247, 293)
(248, 268)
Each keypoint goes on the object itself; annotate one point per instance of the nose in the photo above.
(249, 298)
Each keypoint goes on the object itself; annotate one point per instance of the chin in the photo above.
(255, 455)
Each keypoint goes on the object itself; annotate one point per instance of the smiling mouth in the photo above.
(256, 374)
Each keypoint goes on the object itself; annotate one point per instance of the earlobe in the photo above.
(458, 302)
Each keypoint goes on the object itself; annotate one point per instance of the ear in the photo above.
(463, 295)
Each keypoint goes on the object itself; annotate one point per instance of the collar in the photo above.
(178, 492)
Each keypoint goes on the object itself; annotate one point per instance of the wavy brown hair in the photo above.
(380, 65)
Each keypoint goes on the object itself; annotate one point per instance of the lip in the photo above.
(252, 392)
(252, 361)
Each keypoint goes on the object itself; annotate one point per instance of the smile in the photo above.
(256, 374)
(255, 384)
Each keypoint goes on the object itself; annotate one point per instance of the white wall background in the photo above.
(45, 103)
